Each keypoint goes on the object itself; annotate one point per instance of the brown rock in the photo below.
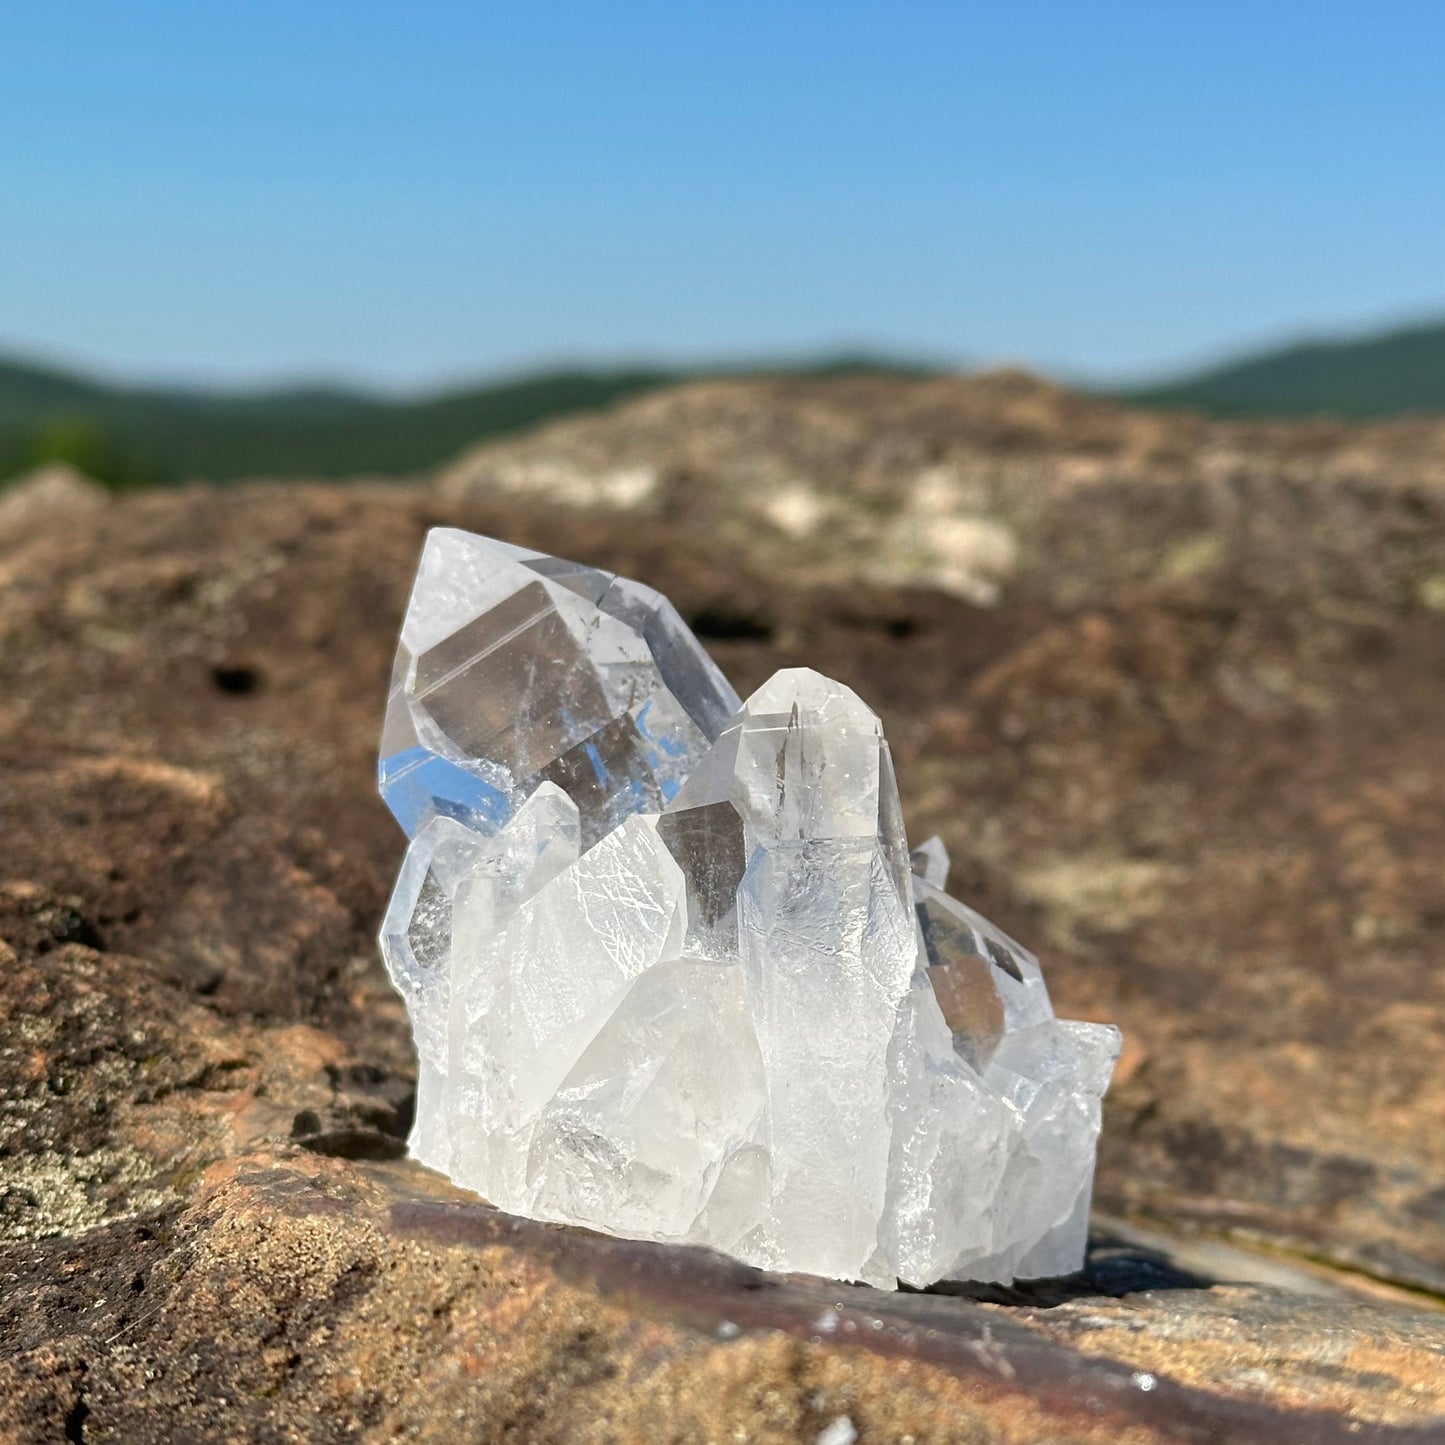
(1191, 752)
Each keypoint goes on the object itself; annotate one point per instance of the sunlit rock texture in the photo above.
(671, 969)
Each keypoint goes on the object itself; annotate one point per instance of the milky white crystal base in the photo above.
(671, 970)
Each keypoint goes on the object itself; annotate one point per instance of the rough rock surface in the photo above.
(1190, 751)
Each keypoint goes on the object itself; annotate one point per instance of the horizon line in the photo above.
(245, 386)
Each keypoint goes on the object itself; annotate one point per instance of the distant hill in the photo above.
(140, 436)
(143, 436)
(1383, 375)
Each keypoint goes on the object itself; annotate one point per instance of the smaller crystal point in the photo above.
(986, 983)
(930, 861)
(671, 968)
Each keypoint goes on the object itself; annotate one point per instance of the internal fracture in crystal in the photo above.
(671, 968)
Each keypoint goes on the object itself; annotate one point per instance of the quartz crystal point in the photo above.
(671, 968)
(516, 668)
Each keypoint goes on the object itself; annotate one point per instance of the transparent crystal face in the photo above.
(671, 969)
(515, 686)
(709, 844)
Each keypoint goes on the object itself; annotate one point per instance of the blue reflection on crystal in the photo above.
(595, 758)
(418, 785)
(658, 747)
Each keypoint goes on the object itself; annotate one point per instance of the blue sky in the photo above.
(408, 193)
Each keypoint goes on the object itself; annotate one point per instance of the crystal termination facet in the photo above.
(671, 969)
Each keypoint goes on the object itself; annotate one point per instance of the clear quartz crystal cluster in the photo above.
(671, 970)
